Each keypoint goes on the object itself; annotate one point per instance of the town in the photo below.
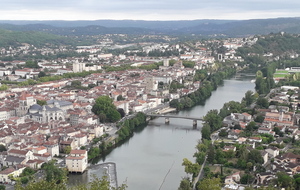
(47, 108)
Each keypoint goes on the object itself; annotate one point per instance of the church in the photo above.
(55, 110)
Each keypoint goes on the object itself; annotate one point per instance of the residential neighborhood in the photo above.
(54, 119)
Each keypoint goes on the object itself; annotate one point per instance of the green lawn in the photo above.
(276, 75)
(281, 71)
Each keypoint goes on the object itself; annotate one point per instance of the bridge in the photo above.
(167, 118)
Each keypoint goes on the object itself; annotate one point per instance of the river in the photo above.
(152, 158)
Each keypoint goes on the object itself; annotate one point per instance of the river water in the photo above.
(152, 158)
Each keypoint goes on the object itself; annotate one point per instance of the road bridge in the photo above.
(167, 118)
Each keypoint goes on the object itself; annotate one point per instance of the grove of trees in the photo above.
(106, 110)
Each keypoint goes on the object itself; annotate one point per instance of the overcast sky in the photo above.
(147, 9)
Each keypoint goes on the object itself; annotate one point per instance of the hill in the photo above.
(230, 28)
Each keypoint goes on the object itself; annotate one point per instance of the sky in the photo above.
(147, 9)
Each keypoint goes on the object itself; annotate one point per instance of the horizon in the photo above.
(35, 20)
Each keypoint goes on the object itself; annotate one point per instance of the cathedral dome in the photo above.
(35, 108)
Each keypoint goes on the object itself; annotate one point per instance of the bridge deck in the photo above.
(175, 116)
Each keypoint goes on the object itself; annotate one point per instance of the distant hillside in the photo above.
(231, 28)
(77, 31)
(12, 38)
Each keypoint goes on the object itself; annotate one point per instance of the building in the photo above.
(78, 67)
(45, 114)
(25, 102)
(77, 161)
(11, 171)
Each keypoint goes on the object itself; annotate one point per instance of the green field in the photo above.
(280, 73)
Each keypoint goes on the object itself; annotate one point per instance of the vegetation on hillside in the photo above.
(38, 39)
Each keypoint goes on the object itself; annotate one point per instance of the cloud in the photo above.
(147, 9)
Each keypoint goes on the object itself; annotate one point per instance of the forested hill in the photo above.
(229, 28)
(279, 44)
(280, 48)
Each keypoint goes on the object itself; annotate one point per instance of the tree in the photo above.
(211, 154)
(205, 131)
(54, 173)
(284, 180)
(262, 102)
(213, 120)
(76, 83)
(259, 119)
(255, 156)
(41, 102)
(41, 74)
(246, 179)
(120, 98)
(24, 180)
(190, 168)
(249, 98)
(122, 112)
(251, 126)
(67, 149)
(211, 184)
(223, 133)
(32, 64)
(2, 187)
(106, 110)
(41, 185)
(2, 148)
(237, 126)
(27, 172)
(185, 184)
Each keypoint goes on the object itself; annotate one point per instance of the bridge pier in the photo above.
(167, 120)
(194, 124)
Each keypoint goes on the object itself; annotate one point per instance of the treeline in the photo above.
(127, 128)
(153, 66)
(264, 79)
(165, 53)
(209, 84)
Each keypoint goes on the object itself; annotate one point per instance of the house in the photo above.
(264, 178)
(77, 161)
(289, 157)
(234, 134)
(264, 155)
(227, 148)
(11, 171)
(273, 151)
(233, 179)
(13, 160)
(52, 148)
(255, 139)
(264, 130)
(27, 154)
(35, 164)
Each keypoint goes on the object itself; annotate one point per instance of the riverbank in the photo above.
(166, 110)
